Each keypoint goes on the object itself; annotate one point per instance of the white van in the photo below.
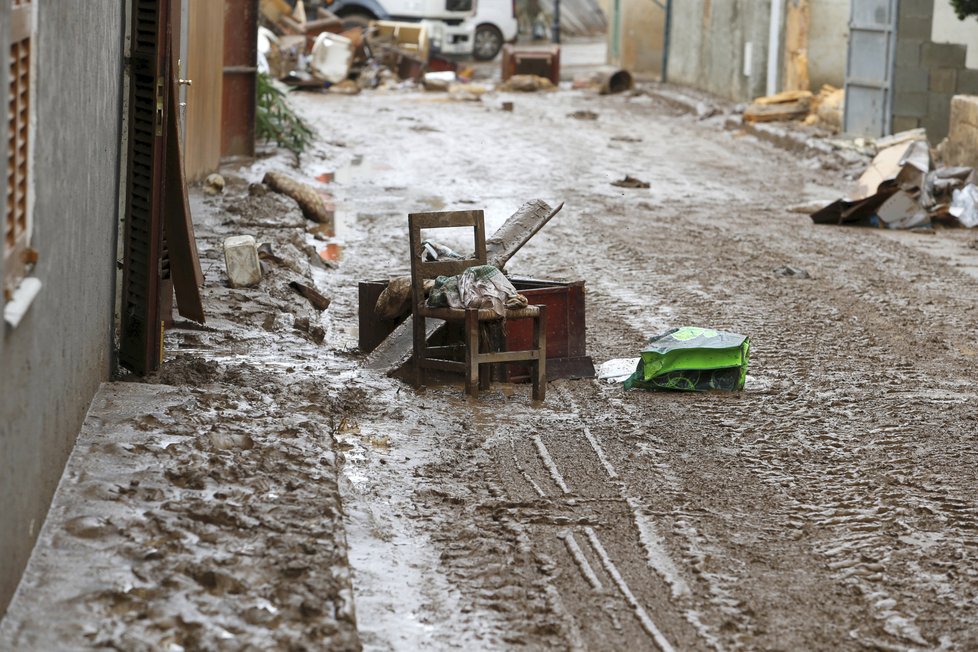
(495, 23)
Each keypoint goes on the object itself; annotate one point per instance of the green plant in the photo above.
(965, 8)
(275, 119)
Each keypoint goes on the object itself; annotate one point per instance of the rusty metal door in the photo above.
(869, 69)
(141, 336)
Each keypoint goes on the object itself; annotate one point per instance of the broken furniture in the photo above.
(543, 61)
(566, 328)
(478, 359)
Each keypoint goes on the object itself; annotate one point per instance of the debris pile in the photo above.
(902, 189)
(824, 109)
(346, 57)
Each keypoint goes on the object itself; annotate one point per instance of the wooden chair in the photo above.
(478, 357)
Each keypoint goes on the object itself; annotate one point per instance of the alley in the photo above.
(268, 491)
(827, 506)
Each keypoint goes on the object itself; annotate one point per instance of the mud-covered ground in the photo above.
(830, 505)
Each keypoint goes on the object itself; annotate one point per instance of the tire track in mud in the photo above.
(826, 506)
(842, 485)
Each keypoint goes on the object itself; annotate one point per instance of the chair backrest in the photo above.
(421, 270)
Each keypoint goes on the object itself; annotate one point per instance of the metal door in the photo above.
(869, 69)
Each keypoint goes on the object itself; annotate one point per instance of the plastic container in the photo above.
(241, 261)
(332, 56)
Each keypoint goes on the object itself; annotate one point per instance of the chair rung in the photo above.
(443, 365)
(508, 356)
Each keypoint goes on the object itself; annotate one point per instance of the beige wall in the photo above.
(946, 28)
(641, 24)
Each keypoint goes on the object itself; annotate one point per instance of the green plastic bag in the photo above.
(693, 359)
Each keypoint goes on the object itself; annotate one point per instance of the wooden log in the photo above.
(308, 199)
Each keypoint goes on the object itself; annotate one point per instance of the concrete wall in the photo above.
(640, 31)
(708, 46)
(828, 42)
(928, 73)
(52, 364)
(946, 28)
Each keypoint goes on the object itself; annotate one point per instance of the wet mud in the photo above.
(828, 506)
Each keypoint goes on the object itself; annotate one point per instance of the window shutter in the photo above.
(16, 229)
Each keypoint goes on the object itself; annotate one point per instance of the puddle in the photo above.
(357, 170)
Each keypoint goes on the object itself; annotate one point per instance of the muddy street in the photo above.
(269, 490)
(830, 505)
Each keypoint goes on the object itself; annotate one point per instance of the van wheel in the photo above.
(488, 42)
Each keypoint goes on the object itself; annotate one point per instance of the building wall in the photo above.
(828, 41)
(52, 364)
(640, 30)
(928, 73)
(946, 28)
(708, 46)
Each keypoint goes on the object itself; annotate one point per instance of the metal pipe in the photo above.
(665, 42)
(774, 47)
(556, 25)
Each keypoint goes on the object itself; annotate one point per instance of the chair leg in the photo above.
(419, 350)
(540, 365)
(485, 369)
(471, 352)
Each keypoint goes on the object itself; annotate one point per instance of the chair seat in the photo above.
(485, 314)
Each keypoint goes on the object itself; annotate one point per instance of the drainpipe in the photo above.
(555, 37)
(665, 42)
(666, 7)
(774, 47)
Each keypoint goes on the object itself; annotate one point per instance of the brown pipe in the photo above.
(616, 81)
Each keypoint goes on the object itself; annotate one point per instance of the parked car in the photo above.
(495, 24)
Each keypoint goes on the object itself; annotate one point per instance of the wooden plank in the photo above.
(178, 224)
(775, 112)
(396, 349)
(797, 24)
(445, 219)
(205, 68)
(517, 231)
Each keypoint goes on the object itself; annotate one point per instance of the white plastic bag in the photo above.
(964, 205)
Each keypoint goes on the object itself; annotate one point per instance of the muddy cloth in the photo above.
(482, 286)
(692, 359)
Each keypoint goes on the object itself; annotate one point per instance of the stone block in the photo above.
(964, 111)
(904, 123)
(967, 82)
(910, 80)
(914, 27)
(908, 53)
(943, 80)
(913, 105)
(943, 55)
(916, 8)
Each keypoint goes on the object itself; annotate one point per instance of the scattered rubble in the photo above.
(900, 189)
(630, 182)
(526, 84)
